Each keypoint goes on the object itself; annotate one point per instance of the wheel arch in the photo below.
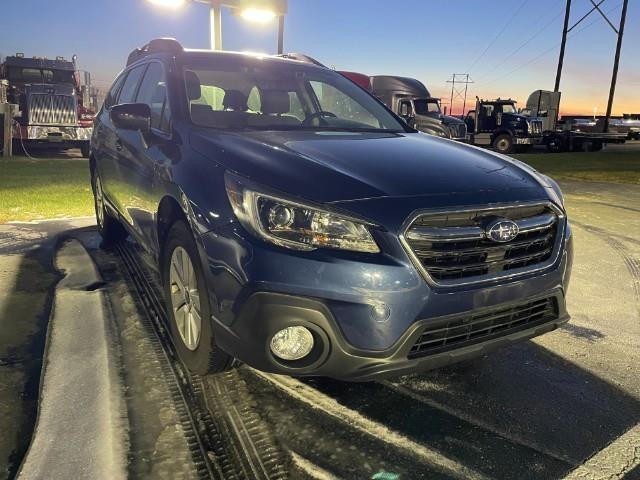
(169, 211)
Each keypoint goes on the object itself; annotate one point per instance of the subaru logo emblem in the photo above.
(502, 230)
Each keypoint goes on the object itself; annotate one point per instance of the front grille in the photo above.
(46, 109)
(536, 127)
(477, 328)
(458, 130)
(452, 247)
(3, 91)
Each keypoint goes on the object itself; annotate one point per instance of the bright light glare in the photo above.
(168, 3)
(258, 15)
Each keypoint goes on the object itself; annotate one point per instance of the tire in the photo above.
(84, 149)
(595, 146)
(503, 143)
(554, 145)
(109, 228)
(187, 299)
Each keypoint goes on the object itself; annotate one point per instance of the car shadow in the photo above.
(522, 412)
(29, 279)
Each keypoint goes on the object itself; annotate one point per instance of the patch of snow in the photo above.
(82, 426)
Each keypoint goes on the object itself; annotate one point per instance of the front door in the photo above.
(142, 156)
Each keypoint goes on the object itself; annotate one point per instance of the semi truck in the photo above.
(569, 134)
(497, 124)
(49, 94)
(410, 99)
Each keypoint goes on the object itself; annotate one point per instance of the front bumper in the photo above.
(264, 314)
(528, 140)
(257, 289)
(53, 134)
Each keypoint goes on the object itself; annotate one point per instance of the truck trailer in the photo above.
(569, 134)
(50, 100)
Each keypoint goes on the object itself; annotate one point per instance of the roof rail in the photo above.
(301, 57)
(157, 45)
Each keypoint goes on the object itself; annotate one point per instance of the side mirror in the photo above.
(404, 111)
(131, 116)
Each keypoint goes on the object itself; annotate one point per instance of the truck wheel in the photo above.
(109, 228)
(503, 143)
(188, 304)
(554, 145)
(84, 149)
(595, 146)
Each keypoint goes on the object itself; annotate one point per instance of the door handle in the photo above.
(118, 144)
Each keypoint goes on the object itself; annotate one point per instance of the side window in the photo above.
(405, 108)
(296, 107)
(110, 100)
(254, 102)
(128, 92)
(153, 92)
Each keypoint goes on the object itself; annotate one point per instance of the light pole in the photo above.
(258, 11)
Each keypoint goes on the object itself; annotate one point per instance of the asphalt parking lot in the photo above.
(564, 404)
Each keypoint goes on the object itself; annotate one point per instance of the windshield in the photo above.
(508, 108)
(426, 106)
(40, 75)
(268, 96)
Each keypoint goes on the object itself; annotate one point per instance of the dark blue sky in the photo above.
(427, 39)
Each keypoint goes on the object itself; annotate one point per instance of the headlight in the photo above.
(293, 225)
(556, 188)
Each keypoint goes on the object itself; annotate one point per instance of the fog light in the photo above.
(292, 343)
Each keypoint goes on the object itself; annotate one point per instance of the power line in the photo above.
(546, 51)
(527, 42)
(498, 35)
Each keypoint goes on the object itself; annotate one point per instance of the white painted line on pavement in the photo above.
(613, 462)
(328, 405)
(516, 439)
(311, 469)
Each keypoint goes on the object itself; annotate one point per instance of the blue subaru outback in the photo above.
(301, 227)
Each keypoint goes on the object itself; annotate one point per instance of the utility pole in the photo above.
(616, 62)
(280, 34)
(461, 79)
(567, 13)
(215, 14)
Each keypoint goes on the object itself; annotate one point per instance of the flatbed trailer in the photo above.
(566, 136)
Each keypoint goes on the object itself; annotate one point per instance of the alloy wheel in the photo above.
(185, 298)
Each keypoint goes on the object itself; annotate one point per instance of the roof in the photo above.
(170, 46)
(39, 63)
(406, 85)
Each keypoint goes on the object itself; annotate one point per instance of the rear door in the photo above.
(123, 190)
(104, 142)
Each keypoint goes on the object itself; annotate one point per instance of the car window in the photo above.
(153, 92)
(111, 97)
(128, 92)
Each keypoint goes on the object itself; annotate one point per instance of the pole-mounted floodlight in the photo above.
(168, 3)
(258, 11)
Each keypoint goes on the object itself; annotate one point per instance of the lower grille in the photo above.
(468, 330)
(454, 248)
(46, 109)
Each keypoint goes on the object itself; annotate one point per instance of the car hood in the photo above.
(449, 120)
(324, 166)
(515, 117)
